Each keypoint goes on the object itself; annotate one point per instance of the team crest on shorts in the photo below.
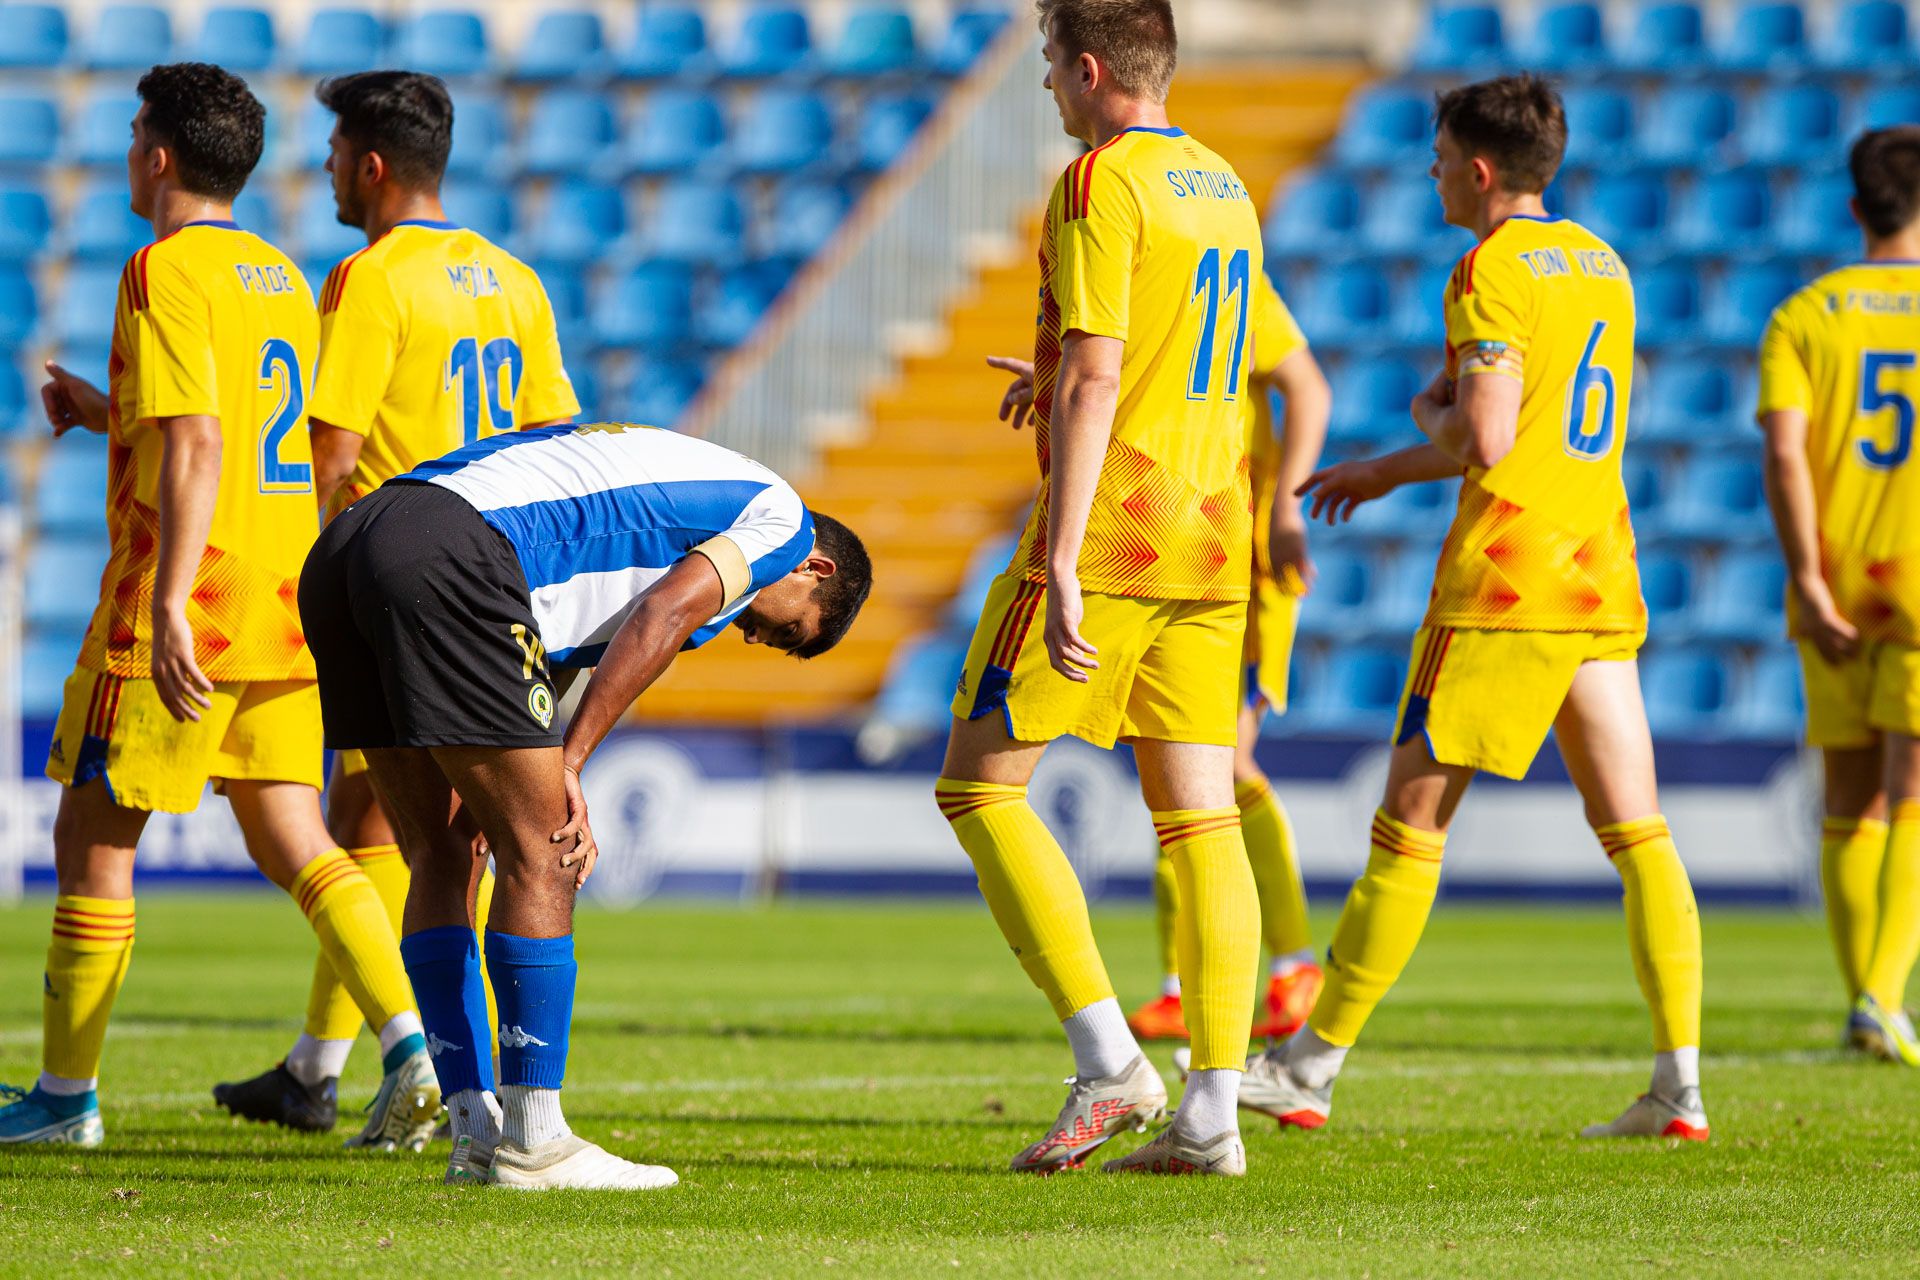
(540, 705)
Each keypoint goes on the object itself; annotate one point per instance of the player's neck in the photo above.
(174, 209)
(410, 206)
(1903, 246)
(1501, 205)
(1122, 114)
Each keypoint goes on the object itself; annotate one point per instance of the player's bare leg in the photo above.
(1608, 749)
(1888, 1030)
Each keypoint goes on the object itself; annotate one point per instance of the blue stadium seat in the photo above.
(485, 207)
(567, 293)
(1688, 692)
(340, 40)
(734, 307)
(1666, 37)
(1567, 37)
(98, 136)
(254, 209)
(805, 216)
(771, 41)
(667, 40)
(1342, 588)
(1666, 584)
(1684, 125)
(1738, 308)
(1667, 304)
(568, 130)
(129, 37)
(445, 42)
(46, 660)
(317, 229)
(578, 224)
(1685, 401)
(1599, 127)
(564, 44)
(1771, 702)
(1766, 36)
(661, 390)
(1402, 216)
(920, 679)
(58, 573)
(311, 133)
(987, 562)
(25, 222)
(1370, 398)
(1892, 104)
(781, 131)
(674, 130)
(1627, 210)
(1462, 38)
(88, 359)
(886, 129)
(968, 36)
(1403, 587)
(29, 129)
(102, 228)
(1417, 305)
(1645, 482)
(32, 35)
(19, 311)
(1868, 34)
(1352, 302)
(1415, 510)
(650, 307)
(238, 39)
(1725, 213)
(481, 136)
(1386, 128)
(875, 41)
(1814, 217)
(1358, 691)
(1316, 216)
(70, 493)
(1717, 498)
(13, 400)
(585, 377)
(1794, 125)
(695, 221)
(1742, 599)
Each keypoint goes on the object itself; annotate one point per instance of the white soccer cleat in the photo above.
(1882, 1032)
(1095, 1110)
(576, 1164)
(1269, 1088)
(1223, 1155)
(470, 1165)
(403, 1115)
(1652, 1116)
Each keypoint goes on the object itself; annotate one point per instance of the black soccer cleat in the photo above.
(278, 1097)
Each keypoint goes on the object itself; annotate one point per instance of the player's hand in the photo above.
(1018, 402)
(1831, 633)
(585, 851)
(1338, 489)
(177, 678)
(1287, 558)
(1067, 650)
(71, 401)
(1432, 401)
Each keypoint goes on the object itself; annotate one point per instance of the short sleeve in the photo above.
(1099, 231)
(546, 393)
(1276, 334)
(359, 341)
(774, 532)
(1784, 380)
(173, 346)
(1487, 312)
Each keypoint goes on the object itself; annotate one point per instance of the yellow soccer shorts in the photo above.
(1486, 700)
(1850, 704)
(1273, 615)
(117, 729)
(1169, 669)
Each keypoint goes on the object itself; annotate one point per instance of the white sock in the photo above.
(1209, 1106)
(530, 1116)
(1675, 1070)
(62, 1087)
(1102, 1045)
(1313, 1061)
(398, 1028)
(1170, 985)
(475, 1113)
(310, 1061)
(1286, 964)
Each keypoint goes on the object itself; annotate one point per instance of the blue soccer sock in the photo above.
(533, 989)
(444, 966)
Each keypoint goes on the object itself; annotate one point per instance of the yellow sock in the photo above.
(1217, 928)
(345, 911)
(1851, 851)
(1379, 927)
(1166, 909)
(331, 1012)
(482, 908)
(1897, 940)
(1031, 890)
(1276, 869)
(86, 962)
(1663, 926)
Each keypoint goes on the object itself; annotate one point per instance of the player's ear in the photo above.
(1484, 178)
(373, 167)
(820, 565)
(1853, 207)
(1091, 72)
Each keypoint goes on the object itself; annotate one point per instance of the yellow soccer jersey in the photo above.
(1153, 240)
(1276, 339)
(212, 320)
(1542, 540)
(1843, 351)
(430, 338)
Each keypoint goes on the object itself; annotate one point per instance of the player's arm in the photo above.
(1303, 434)
(189, 486)
(1474, 424)
(1796, 521)
(1338, 489)
(1085, 401)
(336, 451)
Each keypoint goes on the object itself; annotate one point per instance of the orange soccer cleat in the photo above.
(1159, 1019)
(1290, 999)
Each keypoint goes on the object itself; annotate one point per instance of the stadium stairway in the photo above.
(934, 474)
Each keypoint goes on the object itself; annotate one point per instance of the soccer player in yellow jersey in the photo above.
(430, 338)
(1838, 384)
(195, 666)
(1536, 613)
(1123, 612)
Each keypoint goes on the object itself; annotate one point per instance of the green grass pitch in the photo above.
(840, 1088)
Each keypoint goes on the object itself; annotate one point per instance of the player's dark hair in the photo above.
(405, 116)
(211, 122)
(1886, 179)
(1516, 121)
(842, 594)
(1133, 39)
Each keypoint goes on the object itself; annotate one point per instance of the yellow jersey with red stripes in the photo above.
(1151, 239)
(430, 338)
(211, 320)
(1542, 540)
(1276, 339)
(1845, 351)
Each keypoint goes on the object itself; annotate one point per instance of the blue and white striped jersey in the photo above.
(598, 513)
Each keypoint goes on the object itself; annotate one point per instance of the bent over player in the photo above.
(1536, 615)
(1123, 612)
(430, 338)
(436, 607)
(194, 666)
(1838, 382)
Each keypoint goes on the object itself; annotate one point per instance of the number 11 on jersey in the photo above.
(1218, 287)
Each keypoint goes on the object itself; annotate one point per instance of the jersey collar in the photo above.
(1165, 133)
(1888, 262)
(223, 224)
(430, 223)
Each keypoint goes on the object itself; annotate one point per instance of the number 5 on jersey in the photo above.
(1875, 396)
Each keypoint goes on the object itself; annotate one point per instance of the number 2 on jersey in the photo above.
(477, 369)
(280, 370)
(1590, 443)
(1208, 280)
(1874, 398)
